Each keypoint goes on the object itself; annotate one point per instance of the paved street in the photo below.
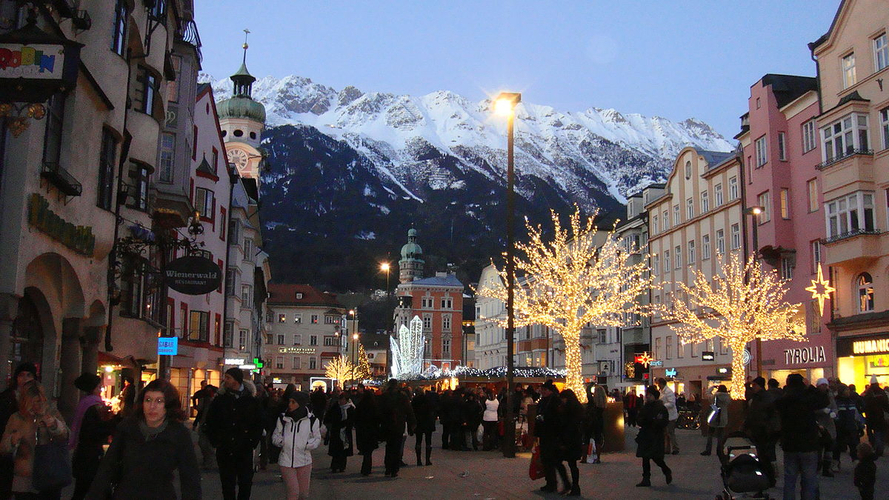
(486, 475)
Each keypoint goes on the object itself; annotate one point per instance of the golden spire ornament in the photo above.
(821, 290)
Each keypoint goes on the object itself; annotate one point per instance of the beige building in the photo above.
(698, 218)
(853, 128)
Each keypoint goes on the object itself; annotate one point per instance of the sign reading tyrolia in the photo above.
(193, 275)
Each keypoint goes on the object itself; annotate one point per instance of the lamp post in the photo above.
(755, 211)
(505, 105)
(353, 355)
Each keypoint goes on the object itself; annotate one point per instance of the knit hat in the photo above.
(236, 374)
(821, 381)
(27, 366)
(300, 397)
(87, 382)
(873, 379)
(760, 382)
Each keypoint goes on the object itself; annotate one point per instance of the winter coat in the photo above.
(367, 423)
(848, 419)
(424, 413)
(234, 422)
(721, 400)
(339, 431)
(570, 432)
(799, 430)
(296, 439)
(472, 412)
(547, 427)
(94, 433)
(319, 403)
(491, 407)
(762, 423)
(652, 420)
(396, 411)
(138, 468)
(875, 405)
(825, 416)
(669, 399)
(23, 453)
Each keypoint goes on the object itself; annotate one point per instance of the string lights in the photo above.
(742, 303)
(362, 371)
(338, 368)
(407, 350)
(578, 278)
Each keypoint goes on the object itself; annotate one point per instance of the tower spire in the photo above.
(246, 32)
(242, 79)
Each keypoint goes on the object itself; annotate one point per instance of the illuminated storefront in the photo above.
(859, 358)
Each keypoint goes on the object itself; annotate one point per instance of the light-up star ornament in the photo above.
(644, 359)
(820, 289)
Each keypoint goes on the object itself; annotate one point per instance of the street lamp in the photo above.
(756, 211)
(354, 353)
(505, 105)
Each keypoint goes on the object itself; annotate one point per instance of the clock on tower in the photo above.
(239, 158)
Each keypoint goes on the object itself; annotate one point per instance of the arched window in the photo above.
(687, 170)
(865, 293)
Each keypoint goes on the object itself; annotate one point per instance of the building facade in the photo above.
(305, 332)
(695, 221)
(853, 131)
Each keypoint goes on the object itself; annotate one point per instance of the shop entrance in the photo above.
(27, 333)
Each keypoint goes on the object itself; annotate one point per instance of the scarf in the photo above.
(344, 410)
(84, 405)
(150, 433)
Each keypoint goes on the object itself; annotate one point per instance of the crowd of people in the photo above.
(243, 426)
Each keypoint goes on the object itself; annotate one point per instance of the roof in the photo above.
(286, 294)
(823, 38)
(714, 158)
(788, 88)
(448, 280)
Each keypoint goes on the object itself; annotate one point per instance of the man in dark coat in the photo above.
(367, 427)
(876, 404)
(444, 409)
(425, 415)
(456, 419)
(763, 424)
(547, 429)
(234, 426)
(396, 411)
(319, 402)
(800, 436)
(652, 420)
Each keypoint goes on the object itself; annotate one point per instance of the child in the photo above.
(866, 471)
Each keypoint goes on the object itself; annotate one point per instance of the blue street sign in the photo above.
(168, 346)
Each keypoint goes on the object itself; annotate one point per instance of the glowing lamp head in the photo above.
(354, 336)
(384, 267)
(506, 102)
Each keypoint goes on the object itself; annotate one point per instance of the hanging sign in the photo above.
(193, 275)
(168, 346)
(708, 355)
(670, 372)
(35, 64)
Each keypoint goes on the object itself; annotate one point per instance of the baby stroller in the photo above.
(742, 473)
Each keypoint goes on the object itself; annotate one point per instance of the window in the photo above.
(655, 264)
(657, 348)
(654, 224)
(765, 200)
(173, 86)
(676, 216)
(296, 362)
(705, 202)
(427, 321)
(687, 170)
(281, 339)
(204, 203)
(812, 189)
(146, 91)
(249, 253)
(227, 334)
(677, 256)
(230, 276)
(718, 190)
(139, 191)
(720, 242)
(297, 318)
(446, 346)
(297, 339)
(427, 302)
(762, 151)
(666, 220)
(666, 261)
(705, 247)
(690, 209)
(816, 255)
(119, 30)
(850, 215)
(691, 252)
(865, 293)
(808, 136)
(329, 341)
(52, 138)
(313, 363)
(782, 146)
(314, 319)
(234, 230)
(669, 347)
(785, 203)
(158, 12)
(447, 303)
(107, 157)
(787, 265)
(814, 316)
(330, 320)
(446, 323)
(881, 52)
(732, 188)
(246, 294)
(242, 340)
(736, 236)
(279, 362)
(849, 78)
(844, 137)
(884, 127)
(282, 318)
(168, 150)
(313, 340)
(199, 326)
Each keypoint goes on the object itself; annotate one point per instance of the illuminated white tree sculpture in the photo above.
(571, 282)
(742, 303)
(407, 350)
(339, 369)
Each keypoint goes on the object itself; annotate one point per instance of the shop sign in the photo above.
(78, 238)
(248, 367)
(38, 61)
(723, 370)
(708, 356)
(167, 346)
(862, 346)
(297, 350)
(35, 64)
(671, 372)
(193, 275)
(657, 363)
(234, 361)
(802, 355)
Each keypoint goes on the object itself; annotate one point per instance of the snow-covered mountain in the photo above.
(400, 134)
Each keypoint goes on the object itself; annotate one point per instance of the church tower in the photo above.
(242, 121)
(410, 267)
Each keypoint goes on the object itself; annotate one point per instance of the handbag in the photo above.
(715, 412)
(535, 470)
(52, 465)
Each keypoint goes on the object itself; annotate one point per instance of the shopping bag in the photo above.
(535, 470)
(714, 414)
(592, 454)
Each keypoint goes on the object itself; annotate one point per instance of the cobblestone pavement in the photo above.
(487, 475)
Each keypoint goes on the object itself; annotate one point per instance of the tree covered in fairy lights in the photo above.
(339, 369)
(362, 369)
(575, 279)
(740, 304)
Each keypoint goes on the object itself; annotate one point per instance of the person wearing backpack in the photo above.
(297, 433)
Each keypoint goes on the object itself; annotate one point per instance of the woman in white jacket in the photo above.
(297, 433)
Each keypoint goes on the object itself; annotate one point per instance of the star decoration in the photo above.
(644, 359)
(820, 289)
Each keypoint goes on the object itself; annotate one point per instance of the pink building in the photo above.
(781, 150)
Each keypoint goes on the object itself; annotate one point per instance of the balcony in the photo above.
(858, 244)
(854, 168)
(188, 33)
(61, 179)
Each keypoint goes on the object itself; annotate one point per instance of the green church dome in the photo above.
(411, 250)
(241, 107)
